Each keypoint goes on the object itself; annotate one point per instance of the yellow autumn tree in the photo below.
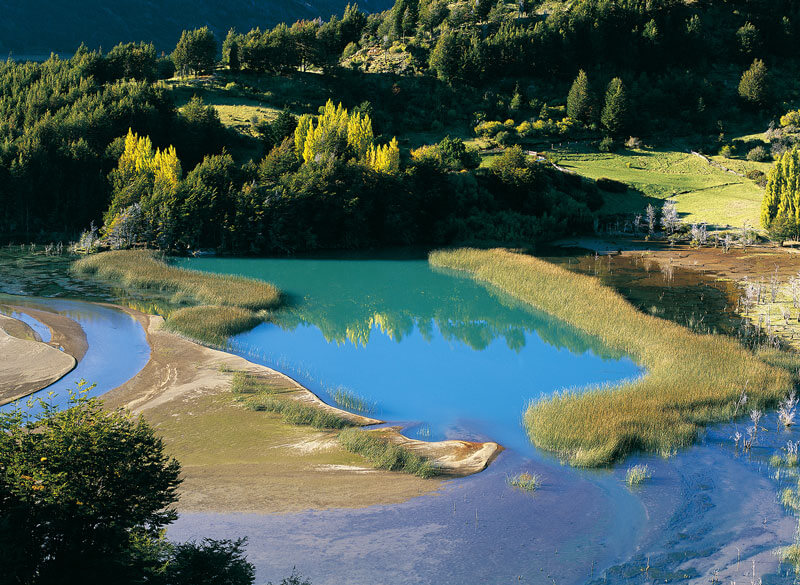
(335, 132)
(782, 193)
(142, 172)
(385, 158)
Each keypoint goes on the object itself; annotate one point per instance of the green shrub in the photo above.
(758, 177)
(607, 144)
(758, 154)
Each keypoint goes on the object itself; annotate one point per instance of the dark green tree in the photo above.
(132, 61)
(616, 110)
(196, 51)
(446, 57)
(209, 562)
(753, 86)
(580, 104)
(749, 40)
(230, 51)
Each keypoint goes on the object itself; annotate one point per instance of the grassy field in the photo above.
(219, 306)
(235, 111)
(703, 193)
(692, 380)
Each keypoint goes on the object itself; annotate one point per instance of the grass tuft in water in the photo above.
(353, 402)
(260, 396)
(385, 454)
(528, 482)
(692, 380)
(637, 475)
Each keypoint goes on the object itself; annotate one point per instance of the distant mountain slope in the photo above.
(35, 27)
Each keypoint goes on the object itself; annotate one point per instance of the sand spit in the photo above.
(28, 363)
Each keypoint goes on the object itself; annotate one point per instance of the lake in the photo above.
(442, 353)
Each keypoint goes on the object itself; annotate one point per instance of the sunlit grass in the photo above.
(353, 402)
(527, 482)
(219, 305)
(691, 380)
(144, 269)
(260, 396)
(384, 454)
(212, 324)
(637, 475)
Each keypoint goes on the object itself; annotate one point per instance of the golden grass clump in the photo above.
(212, 324)
(144, 269)
(692, 380)
(224, 305)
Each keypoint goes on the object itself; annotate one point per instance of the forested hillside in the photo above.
(424, 123)
(37, 27)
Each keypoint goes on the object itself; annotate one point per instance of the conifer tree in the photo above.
(230, 51)
(616, 109)
(753, 84)
(579, 100)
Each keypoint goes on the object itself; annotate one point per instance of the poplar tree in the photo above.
(782, 194)
(579, 100)
(337, 133)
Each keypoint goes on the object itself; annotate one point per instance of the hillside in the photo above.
(37, 27)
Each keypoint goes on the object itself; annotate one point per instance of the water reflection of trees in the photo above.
(469, 314)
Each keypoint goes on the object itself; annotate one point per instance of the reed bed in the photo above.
(220, 305)
(145, 269)
(692, 380)
(260, 396)
(384, 454)
(213, 324)
(353, 402)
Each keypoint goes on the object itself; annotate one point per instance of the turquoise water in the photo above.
(441, 353)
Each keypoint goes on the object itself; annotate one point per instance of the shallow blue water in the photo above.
(40, 328)
(440, 352)
(117, 350)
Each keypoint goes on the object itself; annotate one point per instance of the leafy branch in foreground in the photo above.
(85, 495)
